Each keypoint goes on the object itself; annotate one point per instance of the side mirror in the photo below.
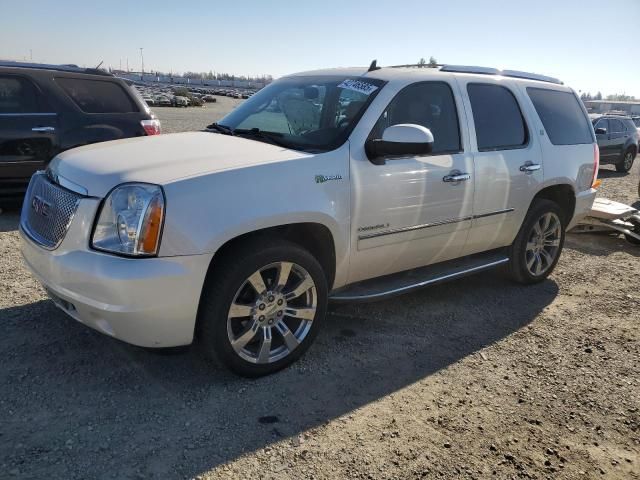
(404, 139)
(601, 131)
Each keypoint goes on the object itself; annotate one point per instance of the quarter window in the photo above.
(97, 96)
(564, 120)
(497, 118)
(17, 95)
(430, 104)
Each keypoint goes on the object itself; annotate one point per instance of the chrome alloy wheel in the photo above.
(543, 244)
(272, 312)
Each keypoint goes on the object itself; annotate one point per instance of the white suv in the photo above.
(343, 185)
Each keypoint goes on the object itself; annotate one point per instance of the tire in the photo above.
(626, 162)
(532, 257)
(261, 334)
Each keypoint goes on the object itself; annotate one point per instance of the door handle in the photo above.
(456, 177)
(530, 167)
(43, 129)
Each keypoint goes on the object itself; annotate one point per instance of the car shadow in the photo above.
(606, 173)
(106, 406)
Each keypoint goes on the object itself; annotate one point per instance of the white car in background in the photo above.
(342, 184)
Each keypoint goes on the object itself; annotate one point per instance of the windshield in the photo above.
(304, 113)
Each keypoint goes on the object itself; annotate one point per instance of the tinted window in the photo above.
(616, 126)
(96, 96)
(429, 104)
(497, 117)
(17, 95)
(563, 118)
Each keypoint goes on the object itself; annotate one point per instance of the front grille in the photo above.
(47, 211)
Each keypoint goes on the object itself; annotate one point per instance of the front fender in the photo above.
(203, 213)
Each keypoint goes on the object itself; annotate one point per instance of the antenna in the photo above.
(99, 65)
(374, 66)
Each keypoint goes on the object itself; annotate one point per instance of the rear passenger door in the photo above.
(507, 162)
(27, 131)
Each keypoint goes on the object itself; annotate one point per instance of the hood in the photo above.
(161, 159)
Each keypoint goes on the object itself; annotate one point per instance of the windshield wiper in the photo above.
(271, 137)
(220, 128)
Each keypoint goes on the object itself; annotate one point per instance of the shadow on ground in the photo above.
(79, 404)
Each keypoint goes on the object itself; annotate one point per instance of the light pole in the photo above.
(142, 60)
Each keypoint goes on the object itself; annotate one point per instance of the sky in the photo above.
(589, 44)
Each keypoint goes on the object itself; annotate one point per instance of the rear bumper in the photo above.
(150, 302)
(584, 201)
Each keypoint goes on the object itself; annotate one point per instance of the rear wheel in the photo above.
(536, 250)
(625, 164)
(263, 307)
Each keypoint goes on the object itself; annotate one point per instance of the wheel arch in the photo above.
(562, 194)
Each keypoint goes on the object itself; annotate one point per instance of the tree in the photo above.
(422, 62)
(433, 62)
(598, 96)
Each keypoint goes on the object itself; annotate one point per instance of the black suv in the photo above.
(45, 109)
(617, 139)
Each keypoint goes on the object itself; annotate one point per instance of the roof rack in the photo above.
(59, 68)
(504, 73)
(484, 71)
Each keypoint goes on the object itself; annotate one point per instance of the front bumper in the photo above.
(584, 202)
(150, 302)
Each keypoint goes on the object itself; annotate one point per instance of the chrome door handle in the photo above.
(43, 129)
(458, 177)
(530, 167)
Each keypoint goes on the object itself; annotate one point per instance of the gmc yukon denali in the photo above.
(337, 185)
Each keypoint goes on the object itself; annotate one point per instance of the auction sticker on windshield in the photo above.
(358, 86)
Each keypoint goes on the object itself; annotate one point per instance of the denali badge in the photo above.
(327, 178)
(40, 206)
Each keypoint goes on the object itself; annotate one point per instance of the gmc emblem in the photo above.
(40, 206)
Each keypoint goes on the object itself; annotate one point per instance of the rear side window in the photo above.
(497, 117)
(97, 96)
(430, 104)
(616, 126)
(562, 117)
(17, 95)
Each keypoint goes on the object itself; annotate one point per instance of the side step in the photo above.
(404, 282)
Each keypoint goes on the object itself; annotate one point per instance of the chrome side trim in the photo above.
(412, 228)
(415, 286)
(490, 214)
(429, 225)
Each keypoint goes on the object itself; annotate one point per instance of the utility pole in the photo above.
(142, 59)
(31, 54)
(127, 64)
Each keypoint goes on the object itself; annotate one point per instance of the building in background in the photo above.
(631, 107)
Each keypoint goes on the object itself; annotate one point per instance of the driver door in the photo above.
(407, 212)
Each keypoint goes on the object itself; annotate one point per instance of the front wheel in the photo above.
(263, 307)
(536, 250)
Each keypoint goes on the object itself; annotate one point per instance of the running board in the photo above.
(404, 282)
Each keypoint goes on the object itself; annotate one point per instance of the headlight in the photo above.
(130, 220)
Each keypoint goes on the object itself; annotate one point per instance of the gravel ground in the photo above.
(479, 378)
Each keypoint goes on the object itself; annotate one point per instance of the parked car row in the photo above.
(46, 109)
(168, 95)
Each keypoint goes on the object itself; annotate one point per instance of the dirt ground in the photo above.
(174, 120)
(479, 379)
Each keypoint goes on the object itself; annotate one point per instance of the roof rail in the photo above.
(504, 73)
(59, 68)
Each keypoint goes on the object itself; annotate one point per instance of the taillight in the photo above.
(151, 127)
(596, 165)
